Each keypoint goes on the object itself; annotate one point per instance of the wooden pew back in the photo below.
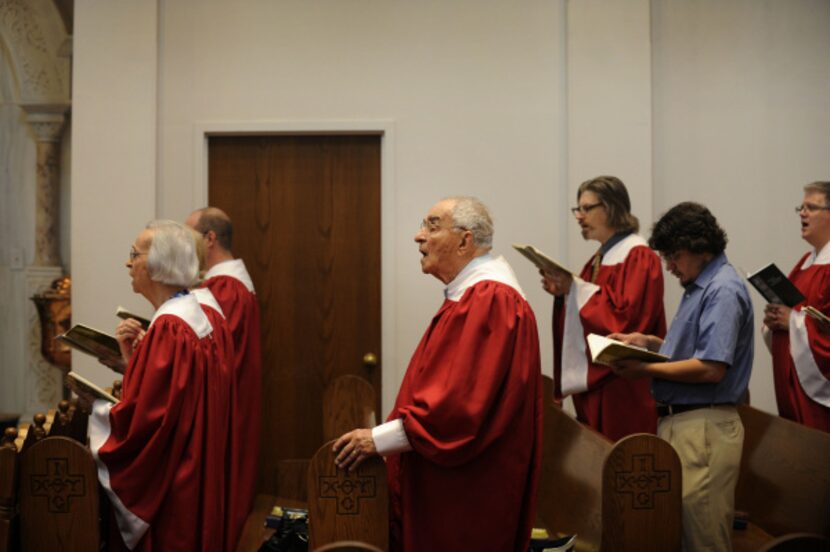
(784, 483)
(348, 403)
(347, 506)
(59, 504)
(8, 490)
(570, 484)
(642, 496)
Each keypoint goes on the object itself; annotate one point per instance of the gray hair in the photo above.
(821, 187)
(469, 213)
(172, 257)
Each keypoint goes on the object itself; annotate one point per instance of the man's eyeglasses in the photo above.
(810, 208)
(135, 254)
(433, 225)
(584, 209)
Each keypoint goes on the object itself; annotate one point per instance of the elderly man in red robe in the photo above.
(463, 442)
(800, 345)
(160, 451)
(231, 285)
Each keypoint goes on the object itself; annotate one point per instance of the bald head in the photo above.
(215, 220)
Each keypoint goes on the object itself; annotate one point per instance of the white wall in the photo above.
(723, 103)
(472, 88)
(113, 159)
(741, 118)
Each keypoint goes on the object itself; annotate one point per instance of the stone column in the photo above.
(43, 383)
(47, 123)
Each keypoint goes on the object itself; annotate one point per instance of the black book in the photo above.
(775, 286)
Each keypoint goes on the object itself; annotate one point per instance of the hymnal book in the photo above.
(608, 351)
(542, 261)
(775, 286)
(121, 312)
(91, 388)
(92, 342)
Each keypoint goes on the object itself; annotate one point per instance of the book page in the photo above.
(91, 341)
(542, 261)
(608, 351)
(90, 387)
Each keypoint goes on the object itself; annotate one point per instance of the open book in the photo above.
(816, 314)
(121, 312)
(775, 286)
(542, 261)
(92, 342)
(91, 388)
(608, 351)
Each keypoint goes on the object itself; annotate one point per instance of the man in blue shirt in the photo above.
(710, 343)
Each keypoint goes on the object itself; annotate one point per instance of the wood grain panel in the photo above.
(59, 506)
(306, 216)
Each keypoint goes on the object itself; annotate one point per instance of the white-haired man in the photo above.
(159, 458)
(463, 442)
(231, 285)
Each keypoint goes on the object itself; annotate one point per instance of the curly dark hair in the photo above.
(688, 226)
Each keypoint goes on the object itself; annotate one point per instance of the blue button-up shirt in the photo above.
(713, 322)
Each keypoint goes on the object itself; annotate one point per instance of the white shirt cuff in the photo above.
(390, 438)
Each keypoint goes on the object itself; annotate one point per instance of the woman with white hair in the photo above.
(161, 450)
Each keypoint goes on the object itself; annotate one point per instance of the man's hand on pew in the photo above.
(353, 448)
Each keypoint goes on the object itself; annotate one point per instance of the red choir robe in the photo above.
(801, 357)
(626, 297)
(231, 285)
(471, 408)
(158, 455)
(220, 388)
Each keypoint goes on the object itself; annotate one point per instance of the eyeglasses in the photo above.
(433, 225)
(584, 209)
(135, 254)
(810, 208)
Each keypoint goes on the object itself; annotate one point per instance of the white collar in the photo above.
(483, 267)
(205, 297)
(234, 268)
(187, 308)
(621, 249)
(821, 257)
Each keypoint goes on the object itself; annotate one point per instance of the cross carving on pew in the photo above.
(643, 481)
(57, 485)
(347, 489)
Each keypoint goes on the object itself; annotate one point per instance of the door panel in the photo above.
(306, 219)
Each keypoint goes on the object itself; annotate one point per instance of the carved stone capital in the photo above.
(46, 120)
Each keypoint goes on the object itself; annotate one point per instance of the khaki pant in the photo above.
(709, 443)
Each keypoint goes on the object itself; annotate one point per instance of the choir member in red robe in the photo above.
(800, 345)
(231, 285)
(620, 290)
(463, 442)
(160, 450)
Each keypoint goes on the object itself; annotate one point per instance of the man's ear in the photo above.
(466, 241)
